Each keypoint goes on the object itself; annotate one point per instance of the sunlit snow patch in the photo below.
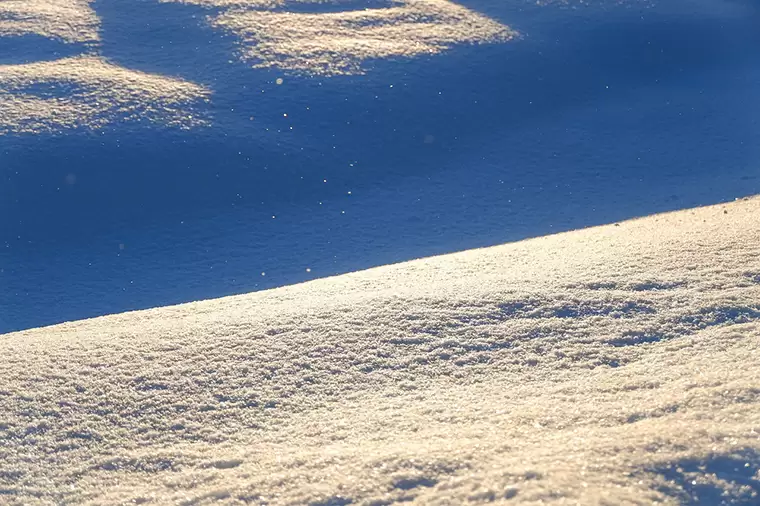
(89, 92)
(51, 78)
(69, 21)
(340, 37)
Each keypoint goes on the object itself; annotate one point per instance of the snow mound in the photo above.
(341, 37)
(54, 78)
(88, 91)
(70, 21)
(612, 365)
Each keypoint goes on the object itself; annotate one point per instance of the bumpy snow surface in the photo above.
(71, 21)
(612, 365)
(96, 94)
(79, 88)
(338, 42)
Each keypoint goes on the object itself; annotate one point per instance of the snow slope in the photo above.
(610, 365)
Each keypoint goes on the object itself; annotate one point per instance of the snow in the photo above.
(610, 365)
(70, 21)
(331, 43)
(142, 168)
(77, 87)
(99, 93)
(156, 152)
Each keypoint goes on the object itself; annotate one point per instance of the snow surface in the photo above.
(87, 91)
(99, 93)
(339, 42)
(611, 365)
(162, 151)
(71, 21)
(596, 113)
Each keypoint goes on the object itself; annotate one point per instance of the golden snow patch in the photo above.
(333, 43)
(254, 4)
(88, 91)
(66, 20)
(284, 4)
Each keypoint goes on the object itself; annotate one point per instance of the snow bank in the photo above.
(613, 365)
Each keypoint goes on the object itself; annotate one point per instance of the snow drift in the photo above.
(612, 365)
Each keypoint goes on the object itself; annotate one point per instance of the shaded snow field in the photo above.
(79, 88)
(611, 365)
(597, 113)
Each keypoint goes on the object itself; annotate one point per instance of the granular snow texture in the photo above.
(69, 21)
(342, 36)
(57, 79)
(88, 91)
(612, 365)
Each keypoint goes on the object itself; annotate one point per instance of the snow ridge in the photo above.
(609, 364)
